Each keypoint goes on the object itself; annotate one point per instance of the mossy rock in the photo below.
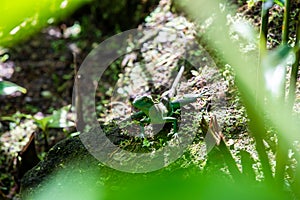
(63, 155)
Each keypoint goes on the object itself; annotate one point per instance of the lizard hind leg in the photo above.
(173, 120)
(175, 128)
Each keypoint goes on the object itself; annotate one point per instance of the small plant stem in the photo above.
(294, 73)
(78, 101)
(256, 125)
(282, 150)
(264, 26)
(281, 157)
(296, 180)
(257, 128)
(263, 157)
(285, 38)
(286, 22)
(262, 50)
(247, 163)
(46, 135)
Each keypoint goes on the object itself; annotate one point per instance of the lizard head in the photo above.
(143, 102)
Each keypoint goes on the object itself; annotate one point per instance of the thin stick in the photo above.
(78, 101)
(262, 50)
(172, 91)
(285, 38)
(175, 83)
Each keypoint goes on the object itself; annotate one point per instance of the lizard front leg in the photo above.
(173, 120)
(142, 127)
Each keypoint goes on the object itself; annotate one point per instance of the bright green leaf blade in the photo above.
(280, 2)
(19, 19)
(8, 88)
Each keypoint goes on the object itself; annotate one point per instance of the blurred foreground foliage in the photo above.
(189, 183)
(20, 19)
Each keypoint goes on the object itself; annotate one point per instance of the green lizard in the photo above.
(163, 111)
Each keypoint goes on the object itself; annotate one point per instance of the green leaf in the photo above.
(8, 88)
(251, 3)
(59, 118)
(274, 66)
(146, 143)
(278, 56)
(280, 2)
(15, 117)
(19, 19)
(42, 123)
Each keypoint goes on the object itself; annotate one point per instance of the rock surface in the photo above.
(62, 155)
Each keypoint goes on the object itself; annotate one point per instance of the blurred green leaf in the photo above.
(275, 114)
(269, 2)
(19, 19)
(59, 119)
(4, 58)
(16, 117)
(251, 3)
(176, 186)
(274, 69)
(42, 123)
(8, 88)
(280, 2)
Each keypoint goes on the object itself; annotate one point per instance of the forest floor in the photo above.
(45, 65)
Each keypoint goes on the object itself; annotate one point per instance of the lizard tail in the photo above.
(187, 99)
